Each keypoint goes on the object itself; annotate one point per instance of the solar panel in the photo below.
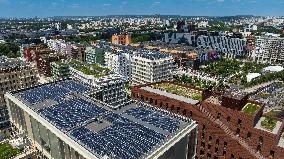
(161, 121)
(124, 139)
(39, 94)
(74, 86)
(71, 113)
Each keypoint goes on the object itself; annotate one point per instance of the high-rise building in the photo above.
(14, 74)
(230, 125)
(149, 67)
(124, 39)
(62, 121)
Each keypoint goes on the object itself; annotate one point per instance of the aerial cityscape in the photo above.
(148, 79)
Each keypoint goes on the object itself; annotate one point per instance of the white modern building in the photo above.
(90, 55)
(269, 49)
(110, 87)
(149, 67)
(230, 46)
(119, 62)
(15, 74)
(61, 122)
(57, 45)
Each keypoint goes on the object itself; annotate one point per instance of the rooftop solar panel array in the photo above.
(124, 139)
(74, 86)
(54, 91)
(39, 94)
(71, 113)
(161, 121)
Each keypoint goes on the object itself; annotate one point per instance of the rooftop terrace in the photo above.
(179, 90)
(90, 69)
(132, 132)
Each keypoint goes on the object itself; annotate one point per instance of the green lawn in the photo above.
(269, 123)
(251, 108)
(7, 151)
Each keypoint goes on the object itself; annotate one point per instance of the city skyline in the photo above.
(48, 8)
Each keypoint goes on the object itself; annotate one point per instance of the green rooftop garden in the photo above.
(7, 151)
(251, 108)
(179, 90)
(94, 70)
(269, 123)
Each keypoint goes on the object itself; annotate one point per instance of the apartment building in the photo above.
(229, 46)
(78, 52)
(124, 39)
(149, 67)
(90, 55)
(60, 70)
(44, 62)
(119, 62)
(230, 125)
(14, 74)
(61, 121)
(269, 49)
(110, 87)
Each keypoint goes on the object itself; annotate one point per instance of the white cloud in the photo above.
(106, 4)
(75, 5)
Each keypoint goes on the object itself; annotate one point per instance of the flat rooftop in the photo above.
(134, 131)
(181, 93)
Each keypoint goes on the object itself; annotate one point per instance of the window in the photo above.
(209, 146)
(238, 131)
(272, 153)
(225, 144)
(261, 139)
(184, 112)
(218, 115)
(239, 121)
(178, 109)
(190, 113)
(203, 127)
(248, 135)
(258, 149)
(228, 119)
(210, 138)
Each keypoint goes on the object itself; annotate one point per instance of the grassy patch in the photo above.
(269, 123)
(7, 151)
(251, 108)
(179, 90)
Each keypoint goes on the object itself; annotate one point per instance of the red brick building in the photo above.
(225, 130)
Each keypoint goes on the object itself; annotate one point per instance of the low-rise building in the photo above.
(230, 124)
(124, 39)
(62, 121)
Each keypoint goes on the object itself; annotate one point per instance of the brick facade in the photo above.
(213, 141)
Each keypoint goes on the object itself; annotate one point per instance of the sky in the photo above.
(49, 8)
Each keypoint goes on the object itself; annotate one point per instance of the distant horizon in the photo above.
(152, 15)
(211, 8)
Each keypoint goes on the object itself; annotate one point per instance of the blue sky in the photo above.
(46, 8)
